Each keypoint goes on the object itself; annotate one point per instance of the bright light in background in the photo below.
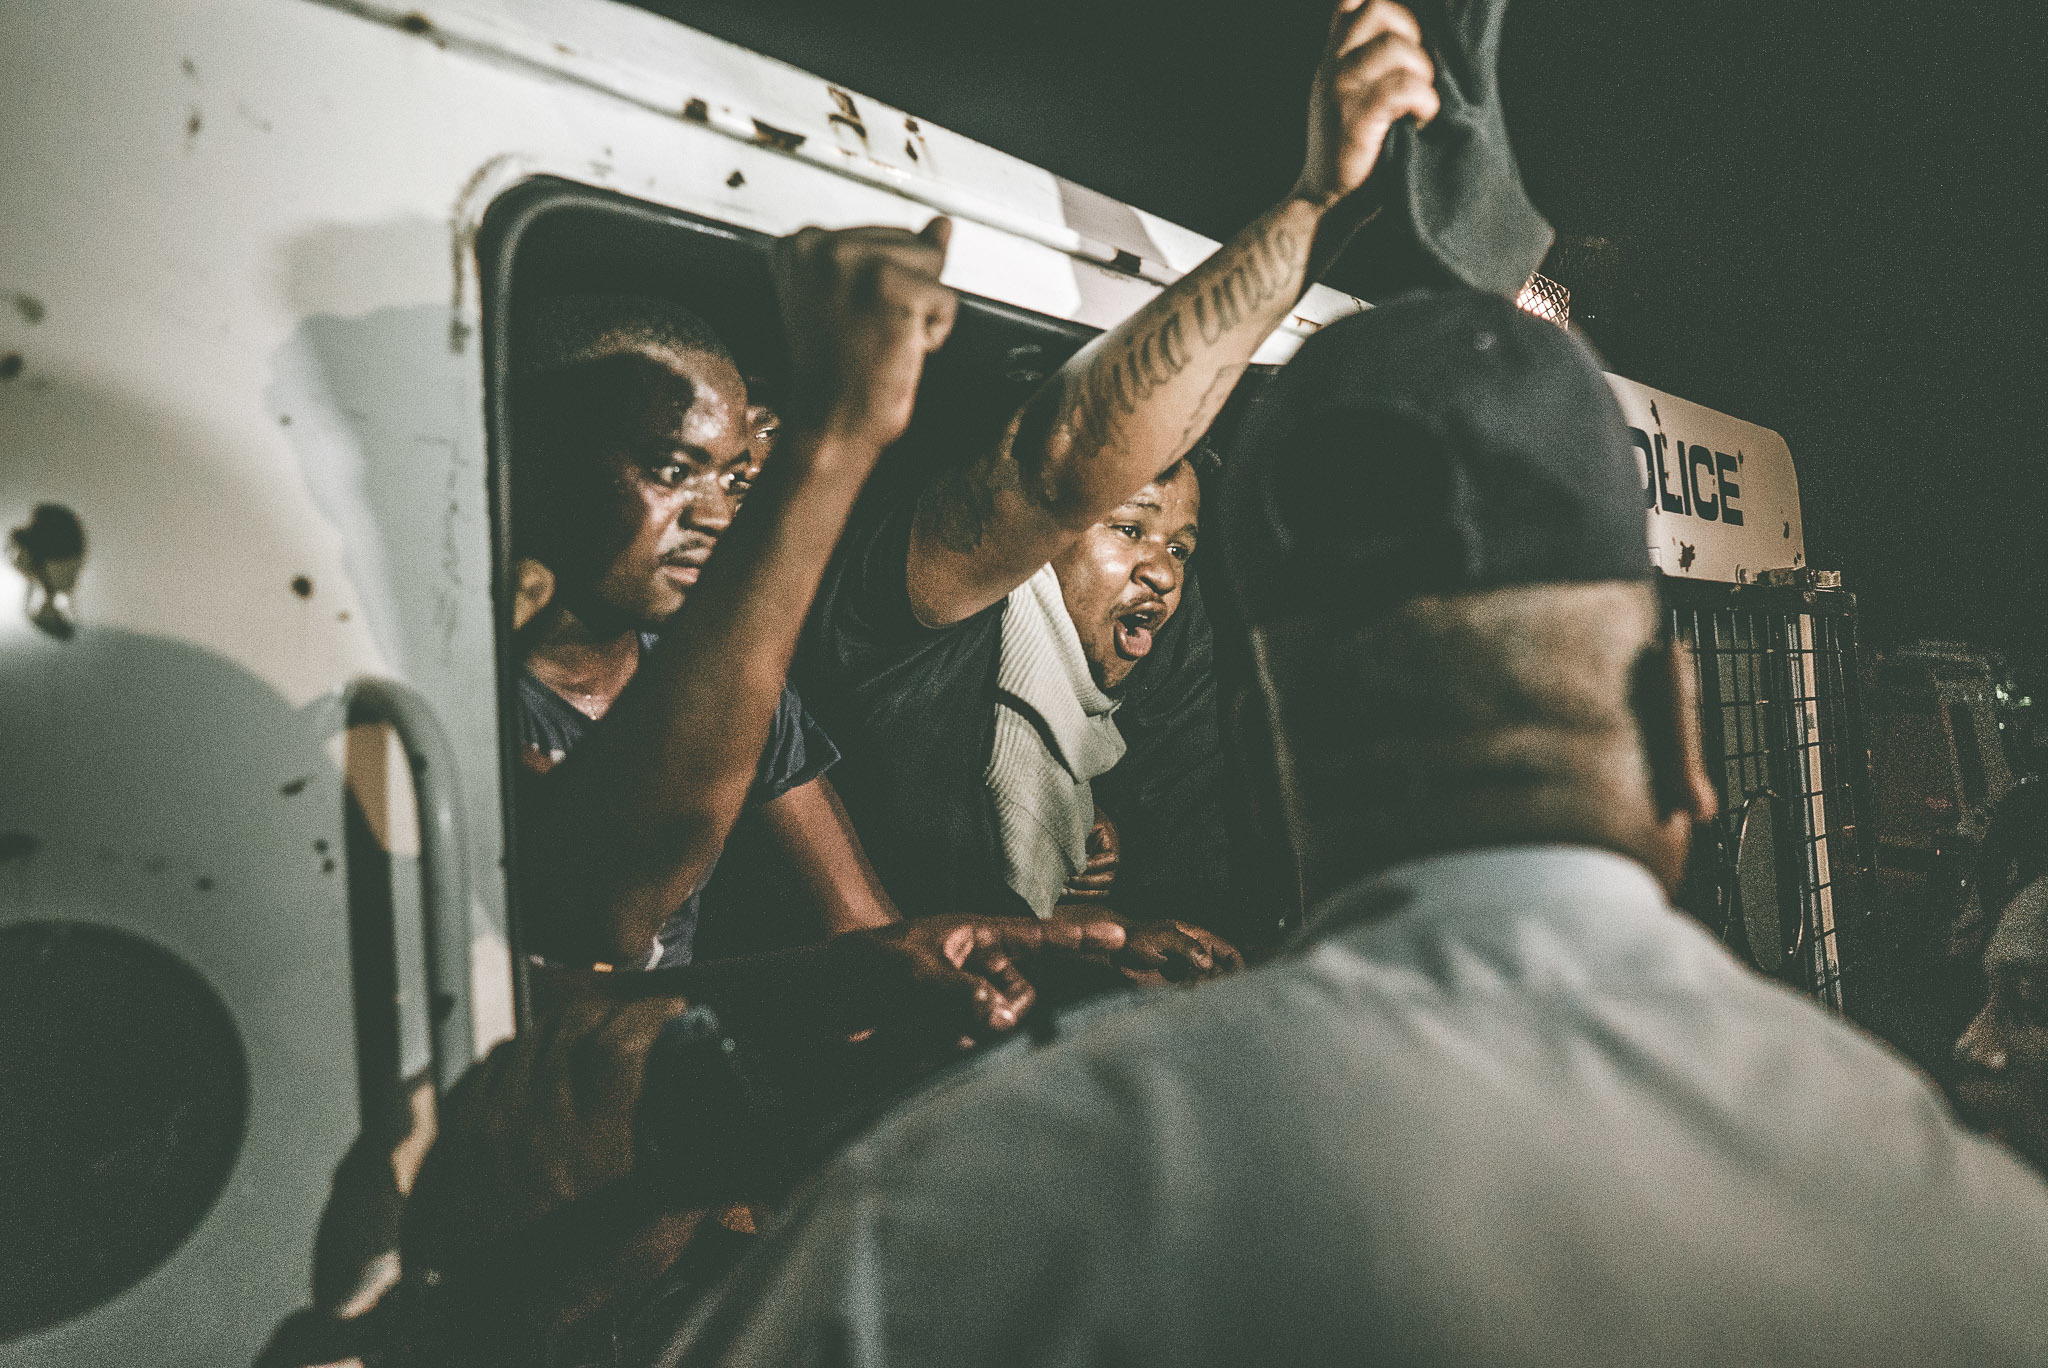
(1547, 299)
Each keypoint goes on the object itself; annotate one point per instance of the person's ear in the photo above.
(533, 588)
(1979, 1046)
(1667, 715)
(1666, 706)
(1690, 786)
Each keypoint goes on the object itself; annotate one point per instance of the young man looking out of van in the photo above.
(637, 445)
(636, 448)
(972, 640)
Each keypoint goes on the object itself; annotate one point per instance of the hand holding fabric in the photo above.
(861, 309)
(1374, 71)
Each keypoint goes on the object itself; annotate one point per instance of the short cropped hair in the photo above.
(1521, 690)
(1203, 460)
(567, 330)
(1203, 464)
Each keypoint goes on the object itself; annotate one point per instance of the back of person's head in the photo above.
(1436, 532)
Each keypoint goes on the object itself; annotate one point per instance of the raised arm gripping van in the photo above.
(258, 260)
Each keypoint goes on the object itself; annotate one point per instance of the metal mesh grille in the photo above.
(1780, 716)
(1547, 299)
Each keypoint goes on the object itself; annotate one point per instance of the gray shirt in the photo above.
(1503, 1107)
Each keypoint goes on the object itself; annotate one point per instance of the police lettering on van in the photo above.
(1710, 498)
(1721, 498)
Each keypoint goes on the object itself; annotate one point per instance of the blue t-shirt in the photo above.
(797, 752)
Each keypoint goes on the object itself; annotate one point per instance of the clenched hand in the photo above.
(1092, 886)
(861, 309)
(1373, 71)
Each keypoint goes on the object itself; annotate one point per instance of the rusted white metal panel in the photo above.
(1720, 494)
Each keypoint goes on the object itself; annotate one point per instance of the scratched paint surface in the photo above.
(1721, 497)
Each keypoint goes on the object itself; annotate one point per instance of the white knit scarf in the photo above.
(1055, 731)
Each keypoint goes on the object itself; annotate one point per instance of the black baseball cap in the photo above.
(1442, 443)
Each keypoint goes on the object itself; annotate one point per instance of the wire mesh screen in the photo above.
(1547, 299)
(1781, 726)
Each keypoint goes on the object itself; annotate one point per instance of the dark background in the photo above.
(1824, 217)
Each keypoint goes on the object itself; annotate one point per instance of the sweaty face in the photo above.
(678, 463)
(1122, 580)
(2004, 1054)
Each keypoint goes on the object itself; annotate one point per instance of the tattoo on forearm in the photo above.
(1106, 393)
(1092, 405)
(1248, 284)
(1080, 414)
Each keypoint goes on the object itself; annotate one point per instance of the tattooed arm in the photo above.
(1132, 402)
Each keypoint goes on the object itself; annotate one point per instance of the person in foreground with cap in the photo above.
(1501, 1104)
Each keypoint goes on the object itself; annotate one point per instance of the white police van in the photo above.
(257, 261)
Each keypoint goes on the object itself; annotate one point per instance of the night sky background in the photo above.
(1821, 216)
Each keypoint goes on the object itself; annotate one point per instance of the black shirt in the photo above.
(797, 752)
(913, 709)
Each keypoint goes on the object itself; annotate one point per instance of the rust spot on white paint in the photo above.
(781, 139)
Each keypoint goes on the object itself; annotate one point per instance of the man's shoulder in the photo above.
(1571, 972)
(1012, 1186)
(863, 619)
(549, 726)
(1095, 1087)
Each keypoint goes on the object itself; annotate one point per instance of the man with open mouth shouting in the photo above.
(1028, 720)
(1020, 760)
(1122, 579)
(977, 634)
